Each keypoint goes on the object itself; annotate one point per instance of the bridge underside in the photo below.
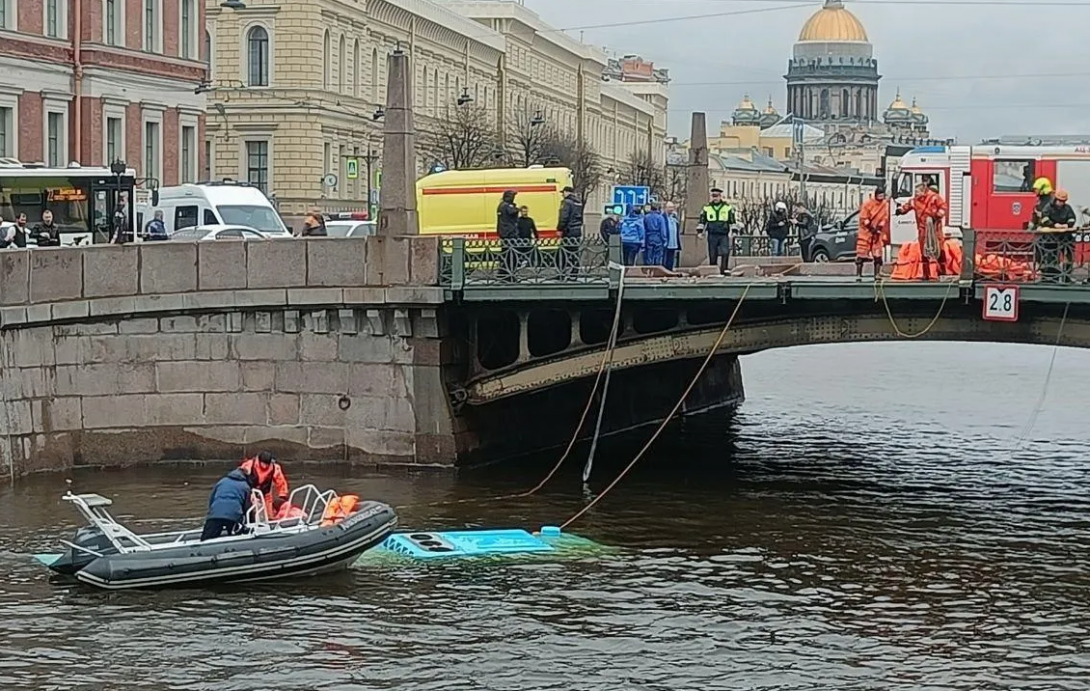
(547, 418)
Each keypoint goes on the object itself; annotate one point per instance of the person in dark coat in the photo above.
(570, 223)
(776, 229)
(610, 225)
(507, 217)
(228, 504)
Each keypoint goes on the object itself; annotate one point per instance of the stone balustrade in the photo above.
(101, 281)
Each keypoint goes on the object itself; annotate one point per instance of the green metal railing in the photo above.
(469, 262)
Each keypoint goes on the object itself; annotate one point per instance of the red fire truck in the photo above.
(990, 187)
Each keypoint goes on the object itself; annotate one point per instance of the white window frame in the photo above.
(119, 27)
(10, 99)
(55, 105)
(244, 63)
(114, 111)
(210, 59)
(244, 157)
(157, 39)
(196, 145)
(11, 15)
(195, 42)
(151, 114)
(62, 20)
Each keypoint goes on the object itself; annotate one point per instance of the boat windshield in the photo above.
(263, 218)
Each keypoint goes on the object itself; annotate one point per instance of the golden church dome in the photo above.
(916, 108)
(833, 24)
(770, 109)
(898, 103)
(746, 104)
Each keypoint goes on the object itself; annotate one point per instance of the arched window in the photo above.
(257, 48)
(435, 88)
(374, 75)
(356, 68)
(342, 73)
(326, 49)
(208, 54)
(446, 89)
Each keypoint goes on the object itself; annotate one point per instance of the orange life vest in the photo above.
(339, 509)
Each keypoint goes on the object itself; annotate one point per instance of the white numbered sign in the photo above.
(1001, 303)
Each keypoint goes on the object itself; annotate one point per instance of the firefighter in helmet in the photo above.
(1042, 187)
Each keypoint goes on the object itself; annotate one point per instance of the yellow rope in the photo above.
(668, 418)
(880, 293)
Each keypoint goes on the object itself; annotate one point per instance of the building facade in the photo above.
(298, 88)
(97, 81)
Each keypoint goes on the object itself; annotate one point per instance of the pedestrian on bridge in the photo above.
(656, 232)
(632, 235)
(716, 220)
(870, 242)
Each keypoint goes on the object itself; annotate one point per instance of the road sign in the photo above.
(352, 169)
(636, 195)
(330, 180)
(1001, 303)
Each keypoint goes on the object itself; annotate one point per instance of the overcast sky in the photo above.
(961, 61)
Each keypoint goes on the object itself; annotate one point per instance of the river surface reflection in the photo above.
(867, 521)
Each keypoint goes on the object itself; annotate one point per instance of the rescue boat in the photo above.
(321, 533)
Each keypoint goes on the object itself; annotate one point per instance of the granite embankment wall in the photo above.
(319, 349)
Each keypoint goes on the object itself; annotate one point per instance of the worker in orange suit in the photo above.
(269, 478)
(870, 241)
(930, 209)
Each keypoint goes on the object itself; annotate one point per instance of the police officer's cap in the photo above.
(716, 190)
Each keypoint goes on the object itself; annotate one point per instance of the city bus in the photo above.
(88, 203)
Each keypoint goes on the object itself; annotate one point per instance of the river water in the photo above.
(869, 520)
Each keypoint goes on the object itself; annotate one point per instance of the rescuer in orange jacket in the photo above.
(930, 209)
(269, 478)
(870, 241)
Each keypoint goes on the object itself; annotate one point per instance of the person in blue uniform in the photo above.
(656, 230)
(228, 504)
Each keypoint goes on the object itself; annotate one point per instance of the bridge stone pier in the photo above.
(324, 349)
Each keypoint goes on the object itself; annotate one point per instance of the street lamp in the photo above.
(465, 98)
(233, 5)
(538, 119)
(379, 113)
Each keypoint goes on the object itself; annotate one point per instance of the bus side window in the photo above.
(210, 218)
(185, 217)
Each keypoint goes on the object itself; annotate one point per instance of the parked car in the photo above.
(835, 241)
(217, 232)
(350, 229)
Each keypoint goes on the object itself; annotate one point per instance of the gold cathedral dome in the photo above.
(833, 24)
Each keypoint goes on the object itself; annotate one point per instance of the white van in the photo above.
(228, 203)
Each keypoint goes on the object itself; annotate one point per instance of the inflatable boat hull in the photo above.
(277, 554)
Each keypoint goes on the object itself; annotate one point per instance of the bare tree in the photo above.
(529, 138)
(464, 140)
(676, 185)
(752, 213)
(579, 156)
(640, 169)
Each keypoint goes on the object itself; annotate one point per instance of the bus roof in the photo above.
(10, 167)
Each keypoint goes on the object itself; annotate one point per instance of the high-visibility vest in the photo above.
(718, 214)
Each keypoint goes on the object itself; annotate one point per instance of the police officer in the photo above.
(716, 220)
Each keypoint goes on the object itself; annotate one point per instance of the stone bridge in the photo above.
(364, 350)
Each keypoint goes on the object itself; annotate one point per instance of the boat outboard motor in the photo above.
(90, 538)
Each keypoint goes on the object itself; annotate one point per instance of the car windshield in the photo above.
(263, 218)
